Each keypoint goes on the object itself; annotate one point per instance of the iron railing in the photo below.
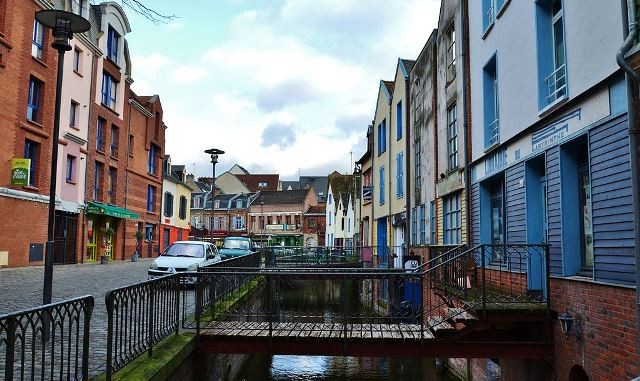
(48, 342)
(139, 316)
(556, 83)
(494, 131)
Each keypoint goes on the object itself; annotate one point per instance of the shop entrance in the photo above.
(65, 238)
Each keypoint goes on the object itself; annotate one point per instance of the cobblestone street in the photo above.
(22, 289)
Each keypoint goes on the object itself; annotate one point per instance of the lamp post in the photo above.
(214, 152)
(261, 221)
(63, 25)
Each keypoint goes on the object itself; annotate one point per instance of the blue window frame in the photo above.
(31, 150)
(423, 227)
(488, 13)
(399, 121)
(418, 161)
(37, 44)
(399, 175)
(552, 68)
(97, 181)
(382, 137)
(34, 100)
(113, 185)
(73, 114)
(100, 135)
(71, 163)
(152, 159)
(452, 137)
(414, 226)
(491, 104)
(109, 91)
(115, 138)
(452, 224)
(381, 185)
(432, 217)
(113, 41)
(151, 198)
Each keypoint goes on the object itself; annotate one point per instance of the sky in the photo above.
(282, 86)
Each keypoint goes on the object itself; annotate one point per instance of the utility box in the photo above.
(36, 251)
(4, 258)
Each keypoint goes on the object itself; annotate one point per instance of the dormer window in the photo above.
(113, 41)
(262, 184)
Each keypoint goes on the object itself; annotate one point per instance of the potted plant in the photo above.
(138, 236)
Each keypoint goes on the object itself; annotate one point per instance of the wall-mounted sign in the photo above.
(496, 161)
(554, 132)
(20, 171)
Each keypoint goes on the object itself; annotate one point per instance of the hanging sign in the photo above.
(20, 171)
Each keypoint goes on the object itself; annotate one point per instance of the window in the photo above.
(399, 121)
(490, 98)
(79, 7)
(551, 52)
(399, 175)
(100, 135)
(130, 145)
(34, 101)
(238, 222)
(31, 151)
(452, 138)
(113, 185)
(113, 40)
(452, 228)
(196, 202)
(97, 181)
(70, 172)
(152, 159)
(151, 198)
(37, 45)
(73, 114)
(109, 91)
(381, 185)
(182, 212)
(342, 224)
(432, 218)
(451, 53)
(418, 150)
(115, 137)
(148, 232)
(262, 184)
(168, 204)
(382, 137)
(423, 225)
(330, 215)
(488, 13)
(77, 56)
(414, 226)
(239, 204)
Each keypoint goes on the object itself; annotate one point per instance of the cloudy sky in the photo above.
(283, 86)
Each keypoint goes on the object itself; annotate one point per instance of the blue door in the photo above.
(382, 243)
(536, 201)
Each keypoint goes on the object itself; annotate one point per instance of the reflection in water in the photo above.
(323, 299)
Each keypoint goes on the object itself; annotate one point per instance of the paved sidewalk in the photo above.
(21, 288)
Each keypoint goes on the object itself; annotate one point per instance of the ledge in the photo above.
(35, 129)
(168, 356)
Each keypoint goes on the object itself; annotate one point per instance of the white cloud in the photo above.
(189, 74)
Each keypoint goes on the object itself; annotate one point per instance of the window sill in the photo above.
(553, 106)
(114, 63)
(492, 147)
(70, 182)
(101, 151)
(34, 123)
(488, 30)
(78, 73)
(502, 8)
(74, 127)
(109, 108)
(41, 62)
(114, 158)
(152, 213)
(31, 188)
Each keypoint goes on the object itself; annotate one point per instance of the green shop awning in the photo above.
(110, 210)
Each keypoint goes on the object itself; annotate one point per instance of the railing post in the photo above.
(547, 273)
(484, 283)
(177, 301)
(343, 295)
(151, 310)
(198, 303)
(422, 275)
(108, 300)
(11, 347)
(270, 305)
(88, 311)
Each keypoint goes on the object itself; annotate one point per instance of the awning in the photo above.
(110, 210)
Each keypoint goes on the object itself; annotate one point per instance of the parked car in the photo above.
(183, 256)
(236, 246)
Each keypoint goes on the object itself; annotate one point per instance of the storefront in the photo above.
(105, 230)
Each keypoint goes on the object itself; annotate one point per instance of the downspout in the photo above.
(630, 31)
(465, 119)
(390, 241)
(407, 148)
(92, 88)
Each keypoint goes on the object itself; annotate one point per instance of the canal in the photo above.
(324, 299)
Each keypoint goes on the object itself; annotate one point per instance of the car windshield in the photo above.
(235, 244)
(184, 250)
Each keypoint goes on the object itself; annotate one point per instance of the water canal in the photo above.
(325, 298)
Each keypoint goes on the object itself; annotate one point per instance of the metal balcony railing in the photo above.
(556, 83)
(494, 132)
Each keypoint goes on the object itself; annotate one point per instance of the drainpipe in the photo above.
(630, 31)
(407, 174)
(465, 122)
(390, 243)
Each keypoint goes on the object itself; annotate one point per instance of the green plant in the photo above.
(109, 233)
(138, 234)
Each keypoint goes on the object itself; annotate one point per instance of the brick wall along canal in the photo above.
(323, 298)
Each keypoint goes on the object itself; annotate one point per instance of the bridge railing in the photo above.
(48, 342)
(338, 256)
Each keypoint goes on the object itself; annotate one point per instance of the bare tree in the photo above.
(149, 13)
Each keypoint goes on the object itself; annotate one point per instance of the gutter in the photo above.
(632, 78)
(465, 122)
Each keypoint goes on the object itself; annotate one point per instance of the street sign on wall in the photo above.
(20, 171)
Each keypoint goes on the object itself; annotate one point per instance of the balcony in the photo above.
(556, 84)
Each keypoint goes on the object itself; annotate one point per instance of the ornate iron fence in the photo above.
(48, 342)
(139, 316)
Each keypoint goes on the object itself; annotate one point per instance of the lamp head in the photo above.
(566, 322)
(64, 25)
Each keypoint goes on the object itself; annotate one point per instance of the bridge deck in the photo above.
(319, 330)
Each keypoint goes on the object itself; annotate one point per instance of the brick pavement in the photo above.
(21, 288)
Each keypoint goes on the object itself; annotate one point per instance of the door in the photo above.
(65, 239)
(382, 242)
(586, 232)
(497, 220)
(92, 235)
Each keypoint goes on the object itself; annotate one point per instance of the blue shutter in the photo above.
(399, 120)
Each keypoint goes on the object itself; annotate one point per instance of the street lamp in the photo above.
(214, 152)
(261, 221)
(63, 25)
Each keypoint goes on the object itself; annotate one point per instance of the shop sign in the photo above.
(554, 132)
(20, 171)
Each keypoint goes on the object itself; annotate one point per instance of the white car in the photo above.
(183, 256)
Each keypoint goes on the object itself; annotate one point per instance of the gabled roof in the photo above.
(388, 86)
(342, 187)
(286, 184)
(315, 209)
(293, 197)
(406, 66)
(252, 182)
